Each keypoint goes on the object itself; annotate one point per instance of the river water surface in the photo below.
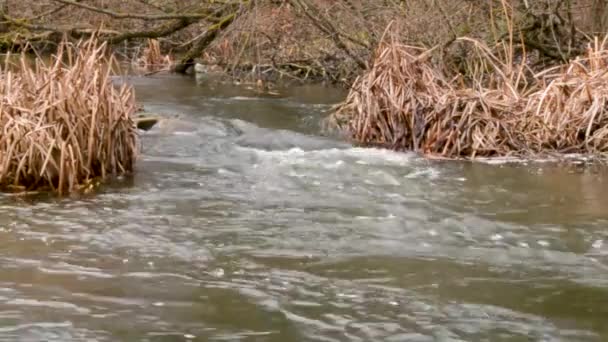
(244, 223)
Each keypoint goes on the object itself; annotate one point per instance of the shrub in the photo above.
(63, 123)
(404, 102)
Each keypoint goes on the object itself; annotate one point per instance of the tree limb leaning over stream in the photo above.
(203, 42)
(162, 30)
(168, 23)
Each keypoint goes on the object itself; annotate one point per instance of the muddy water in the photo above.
(243, 223)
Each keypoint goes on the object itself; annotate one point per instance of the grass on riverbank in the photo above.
(151, 60)
(405, 102)
(64, 124)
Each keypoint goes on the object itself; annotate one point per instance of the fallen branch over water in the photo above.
(63, 124)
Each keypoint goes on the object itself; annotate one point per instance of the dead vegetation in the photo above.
(485, 78)
(152, 60)
(63, 124)
(305, 40)
(405, 102)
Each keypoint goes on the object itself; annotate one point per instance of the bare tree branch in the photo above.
(326, 27)
(156, 32)
(201, 15)
(74, 31)
(195, 51)
(47, 13)
(213, 15)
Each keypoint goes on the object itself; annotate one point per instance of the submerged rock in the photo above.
(163, 125)
(146, 123)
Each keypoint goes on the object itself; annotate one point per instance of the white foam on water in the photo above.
(575, 158)
(243, 98)
(543, 243)
(425, 172)
(184, 133)
(502, 160)
(597, 244)
(364, 156)
(386, 178)
(496, 237)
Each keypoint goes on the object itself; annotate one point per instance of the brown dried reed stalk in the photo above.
(64, 124)
(151, 60)
(404, 102)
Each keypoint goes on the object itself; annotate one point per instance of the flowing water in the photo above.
(244, 223)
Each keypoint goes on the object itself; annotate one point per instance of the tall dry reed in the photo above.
(63, 123)
(151, 59)
(404, 102)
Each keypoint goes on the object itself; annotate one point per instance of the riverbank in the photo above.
(406, 102)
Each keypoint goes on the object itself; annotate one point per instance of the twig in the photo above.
(202, 15)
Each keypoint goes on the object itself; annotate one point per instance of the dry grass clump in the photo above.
(404, 102)
(570, 105)
(152, 60)
(64, 124)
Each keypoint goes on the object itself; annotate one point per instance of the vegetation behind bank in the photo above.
(308, 39)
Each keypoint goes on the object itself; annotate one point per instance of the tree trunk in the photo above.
(598, 14)
(3, 12)
(202, 43)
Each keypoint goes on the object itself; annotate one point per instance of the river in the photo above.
(244, 223)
